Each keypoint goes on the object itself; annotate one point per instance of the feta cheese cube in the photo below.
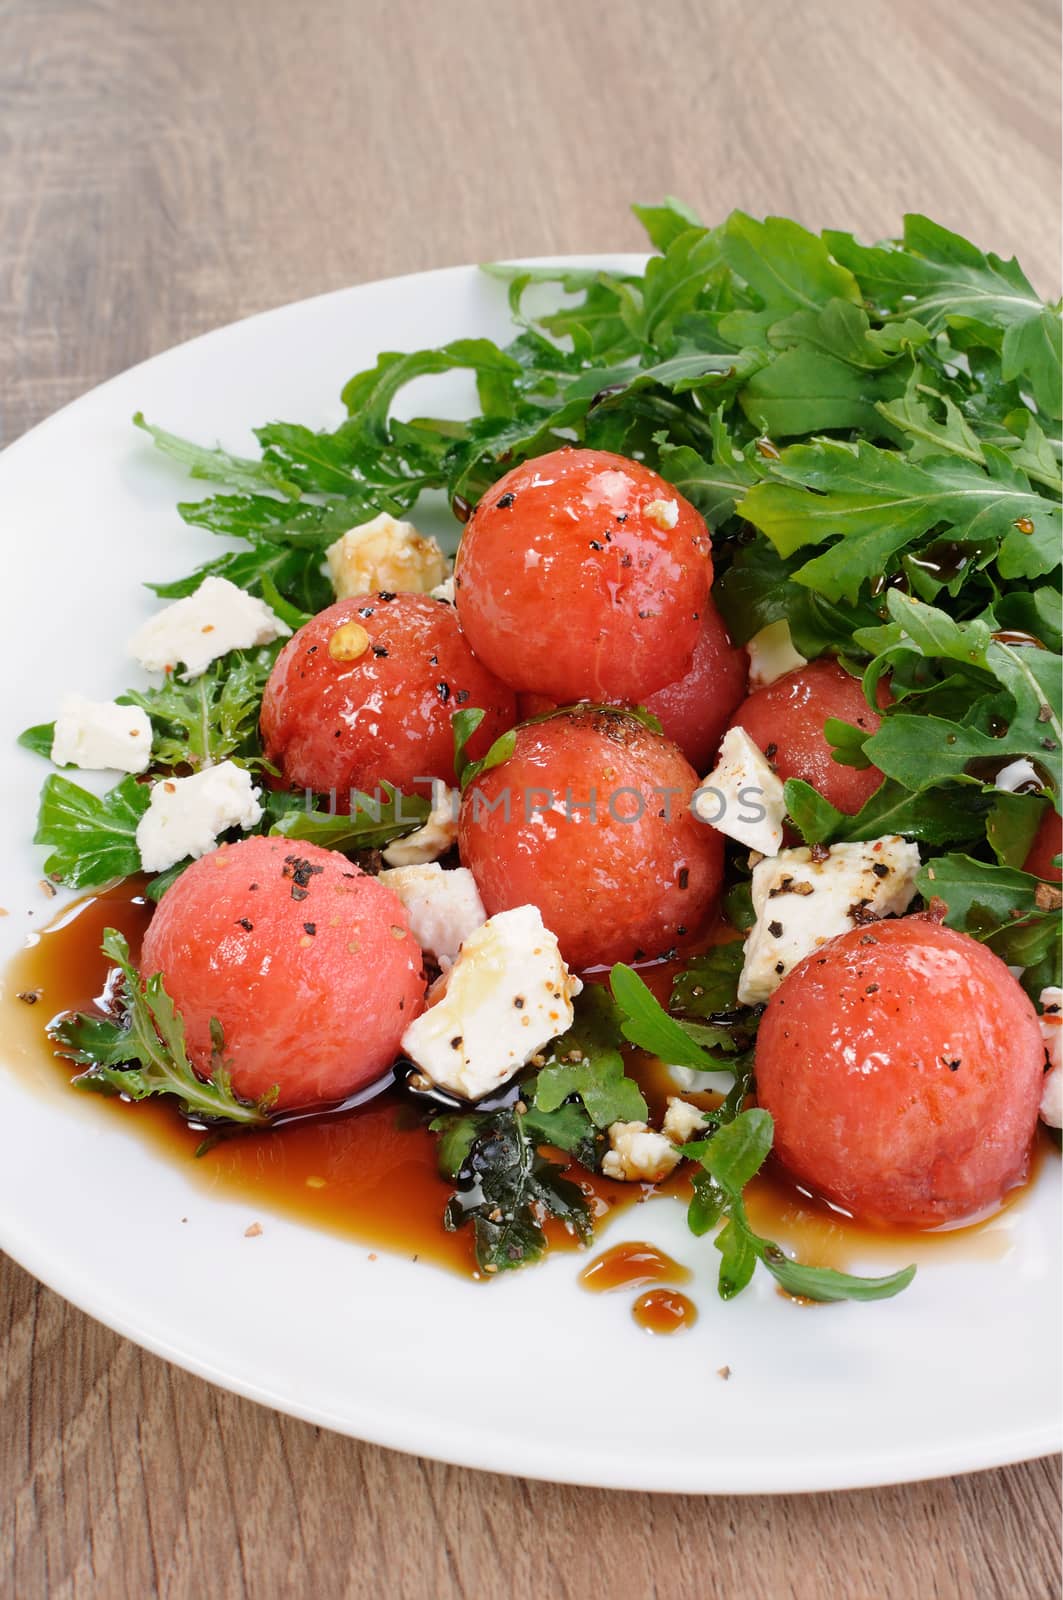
(217, 618)
(682, 1121)
(101, 734)
(638, 1154)
(443, 907)
(385, 554)
(444, 590)
(663, 513)
(772, 655)
(742, 797)
(186, 815)
(507, 994)
(1052, 1033)
(801, 901)
(434, 837)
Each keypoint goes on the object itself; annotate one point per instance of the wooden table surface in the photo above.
(169, 165)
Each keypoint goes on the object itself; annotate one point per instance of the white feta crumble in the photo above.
(217, 618)
(101, 734)
(1021, 774)
(800, 902)
(664, 514)
(638, 1154)
(742, 797)
(443, 907)
(695, 1082)
(434, 837)
(682, 1121)
(507, 994)
(1051, 1020)
(772, 655)
(186, 815)
(385, 554)
(444, 590)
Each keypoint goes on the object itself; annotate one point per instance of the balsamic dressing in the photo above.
(664, 1311)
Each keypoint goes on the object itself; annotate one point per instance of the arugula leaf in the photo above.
(504, 1187)
(827, 1283)
(239, 472)
(934, 816)
(664, 223)
(789, 268)
(1018, 715)
(645, 1022)
(39, 739)
(92, 838)
(213, 717)
(942, 280)
(370, 395)
(567, 1128)
(759, 587)
(844, 330)
(712, 484)
(144, 1053)
(731, 1158)
(969, 887)
(875, 502)
(806, 391)
(1011, 911)
(708, 983)
(372, 822)
(1012, 824)
(586, 1063)
(464, 724)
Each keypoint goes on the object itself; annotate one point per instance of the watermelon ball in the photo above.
(589, 819)
(903, 1066)
(583, 576)
(307, 963)
(694, 712)
(786, 721)
(365, 692)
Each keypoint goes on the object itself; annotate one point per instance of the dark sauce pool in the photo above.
(370, 1173)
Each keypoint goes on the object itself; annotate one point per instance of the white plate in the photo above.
(530, 1374)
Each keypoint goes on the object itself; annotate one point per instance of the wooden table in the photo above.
(168, 165)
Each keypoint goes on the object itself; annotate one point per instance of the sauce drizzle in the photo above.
(664, 1311)
(631, 1266)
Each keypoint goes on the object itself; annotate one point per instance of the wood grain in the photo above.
(167, 167)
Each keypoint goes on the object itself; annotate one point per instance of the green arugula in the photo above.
(707, 984)
(505, 1187)
(210, 719)
(464, 724)
(91, 838)
(372, 822)
(586, 1064)
(729, 1160)
(143, 1053)
(39, 739)
(1014, 913)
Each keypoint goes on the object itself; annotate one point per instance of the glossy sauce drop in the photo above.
(945, 560)
(1018, 639)
(664, 1311)
(630, 1266)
